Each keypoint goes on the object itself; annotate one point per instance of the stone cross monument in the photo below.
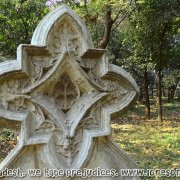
(63, 93)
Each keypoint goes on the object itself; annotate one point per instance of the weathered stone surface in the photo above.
(64, 94)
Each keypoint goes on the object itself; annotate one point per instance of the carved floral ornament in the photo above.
(63, 93)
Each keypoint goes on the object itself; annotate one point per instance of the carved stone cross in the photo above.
(63, 93)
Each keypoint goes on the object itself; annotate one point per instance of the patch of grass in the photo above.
(151, 145)
(7, 142)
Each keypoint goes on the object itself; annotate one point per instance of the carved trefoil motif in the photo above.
(64, 94)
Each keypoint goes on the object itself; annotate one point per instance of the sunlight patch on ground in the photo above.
(149, 144)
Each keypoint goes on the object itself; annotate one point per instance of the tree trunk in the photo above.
(147, 103)
(178, 95)
(152, 92)
(159, 68)
(141, 94)
(159, 95)
(108, 27)
(171, 93)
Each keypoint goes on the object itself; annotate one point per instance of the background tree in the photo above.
(152, 26)
(18, 20)
(171, 78)
(136, 38)
(162, 21)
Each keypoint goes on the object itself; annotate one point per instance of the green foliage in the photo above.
(7, 134)
(152, 27)
(116, 50)
(171, 74)
(18, 20)
(171, 79)
(7, 142)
